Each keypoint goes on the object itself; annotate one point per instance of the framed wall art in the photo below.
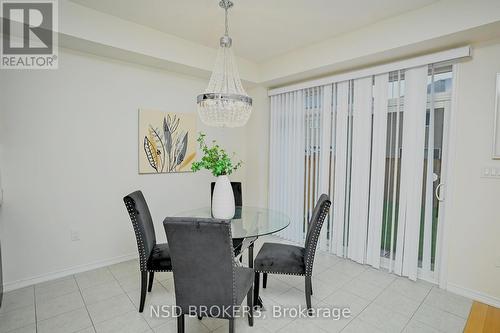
(167, 141)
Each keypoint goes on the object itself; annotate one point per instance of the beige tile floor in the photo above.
(106, 300)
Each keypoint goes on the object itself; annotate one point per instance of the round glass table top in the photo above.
(247, 221)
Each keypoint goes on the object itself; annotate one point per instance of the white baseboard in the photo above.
(473, 294)
(9, 286)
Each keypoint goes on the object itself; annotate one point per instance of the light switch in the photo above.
(490, 172)
(75, 235)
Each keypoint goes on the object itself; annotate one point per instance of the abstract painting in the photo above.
(167, 141)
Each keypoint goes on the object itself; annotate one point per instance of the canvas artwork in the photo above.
(167, 141)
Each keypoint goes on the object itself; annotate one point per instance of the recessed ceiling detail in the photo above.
(261, 29)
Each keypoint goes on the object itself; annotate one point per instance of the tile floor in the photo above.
(106, 300)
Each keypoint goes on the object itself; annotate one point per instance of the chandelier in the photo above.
(225, 103)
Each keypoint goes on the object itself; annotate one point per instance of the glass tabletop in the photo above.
(247, 221)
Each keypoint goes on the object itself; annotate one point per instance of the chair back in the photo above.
(143, 225)
(238, 196)
(202, 262)
(314, 228)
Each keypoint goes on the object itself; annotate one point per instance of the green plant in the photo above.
(215, 159)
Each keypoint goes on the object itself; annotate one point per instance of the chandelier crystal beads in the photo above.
(225, 103)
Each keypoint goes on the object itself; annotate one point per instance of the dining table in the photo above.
(248, 224)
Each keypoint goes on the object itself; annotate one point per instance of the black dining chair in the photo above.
(153, 257)
(238, 195)
(238, 202)
(275, 258)
(206, 278)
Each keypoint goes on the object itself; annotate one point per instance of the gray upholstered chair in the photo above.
(205, 273)
(153, 257)
(275, 258)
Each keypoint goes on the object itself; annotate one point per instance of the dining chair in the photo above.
(153, 257)
(238, 202)
(275, 258)
(238, 196)
(206, 278)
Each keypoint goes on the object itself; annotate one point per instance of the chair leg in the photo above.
(180, 324)
(250, 306)
(151, 278)
(311, 287)
(308, 289)
(256, 288)
(250, 256)
(144, 285)
(231, 325)
(264, 281)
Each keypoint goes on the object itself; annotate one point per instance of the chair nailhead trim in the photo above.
(130, 204)
(282, 273)
(159, 270)
(309, 260)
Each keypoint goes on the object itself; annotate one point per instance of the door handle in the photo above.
(438, 192)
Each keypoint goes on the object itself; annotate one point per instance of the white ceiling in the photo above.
(260, 29)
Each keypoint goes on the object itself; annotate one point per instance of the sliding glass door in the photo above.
(437, 121)
(376, 145)
(436, 118)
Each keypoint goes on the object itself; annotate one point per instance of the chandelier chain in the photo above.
(226, 23)
(226, 4)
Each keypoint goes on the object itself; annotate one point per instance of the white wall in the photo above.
(473, 220)
(70, 155)
(257, 149)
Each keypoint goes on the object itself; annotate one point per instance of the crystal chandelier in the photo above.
(225, 103)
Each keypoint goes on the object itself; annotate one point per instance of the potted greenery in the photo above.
(216, 160)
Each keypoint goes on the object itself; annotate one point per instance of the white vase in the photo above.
(223, 199)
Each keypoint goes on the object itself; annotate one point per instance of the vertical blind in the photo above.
(369, 144)
(287, 148)
(378, 160)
